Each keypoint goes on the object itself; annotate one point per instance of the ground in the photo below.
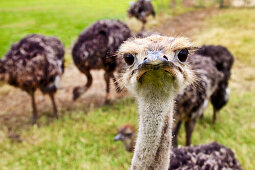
(83, 136)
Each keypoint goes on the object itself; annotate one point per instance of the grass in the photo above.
(74, 142)
(78, 141)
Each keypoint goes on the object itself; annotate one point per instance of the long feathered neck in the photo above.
(153, 145)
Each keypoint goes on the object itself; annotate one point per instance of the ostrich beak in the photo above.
(154, 61)
(118, 137)
(154, 58)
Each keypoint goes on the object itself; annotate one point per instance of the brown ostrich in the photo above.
(36, 61)
(157, 70)
(95, 49)
(223, 60)
(208, 156)
(141, 9)
(193, 101)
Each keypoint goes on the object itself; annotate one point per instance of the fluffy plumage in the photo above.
(223, 61)
(36, 61)
(95, 49)
(194, 99)
(209, 156)
(141, 9)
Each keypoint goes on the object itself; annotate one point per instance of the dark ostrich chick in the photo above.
(208, 156)
(141, 9)
(193, 101)
(36, 61)
(96, 48)
(223, 61)
(127, 135)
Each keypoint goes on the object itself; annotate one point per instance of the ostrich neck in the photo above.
(152, 150)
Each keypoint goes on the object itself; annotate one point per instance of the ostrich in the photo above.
(208, 156)
(141, 9)
(36, 61)
(191, 103)
(156, 72)
(95, 49)
(223, 61)
(127, 135)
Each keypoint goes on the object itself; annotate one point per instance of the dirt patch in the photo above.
(185, 24)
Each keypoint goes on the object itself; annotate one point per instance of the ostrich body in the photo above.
(156, 72)
(95, 49)
(141, 9)
(36, 61)
(209, 156)
(202, 157)
(223, 61)
(192, 102)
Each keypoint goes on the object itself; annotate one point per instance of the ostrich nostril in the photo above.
(145, 59)
(165, 57)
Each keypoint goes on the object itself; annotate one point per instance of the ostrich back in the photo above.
(97, 45)
(209, 156)
(223, 61)
(36, 61)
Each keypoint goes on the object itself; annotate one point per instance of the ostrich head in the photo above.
(127, 135)
(156, 64)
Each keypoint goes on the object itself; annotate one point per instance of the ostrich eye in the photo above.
(183, 55)
(128, 134)
(129, 59)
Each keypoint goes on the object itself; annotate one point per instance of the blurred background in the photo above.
(82, 138)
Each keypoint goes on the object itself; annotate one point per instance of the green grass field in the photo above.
(78, 141)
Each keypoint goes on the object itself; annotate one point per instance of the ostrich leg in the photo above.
(107, 81)
(35, 114)
(175, 134)
(189, 127)
(214, 116)
(78, 91)
(55, 109)
(144, 21)
(143, 26)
